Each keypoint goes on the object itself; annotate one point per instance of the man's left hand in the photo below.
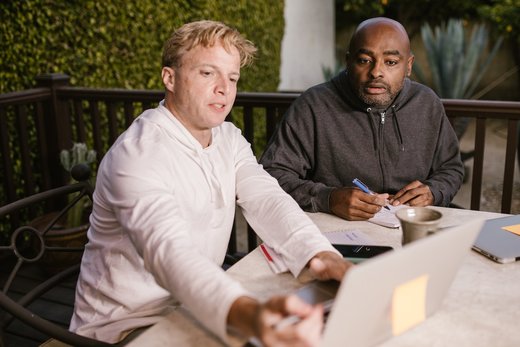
(413, 194)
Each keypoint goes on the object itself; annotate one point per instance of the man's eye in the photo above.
(363, 61)
(206, 73)
(233, 80)
(391, 62)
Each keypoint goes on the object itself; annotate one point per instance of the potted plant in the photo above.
(71, 230)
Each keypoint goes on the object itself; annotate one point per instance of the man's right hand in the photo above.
(263, 321)
(354, 204)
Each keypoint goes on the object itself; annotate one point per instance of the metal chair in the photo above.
(28, 247)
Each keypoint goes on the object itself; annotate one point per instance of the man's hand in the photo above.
(354, 204)
(328, 266)
(413, 194)
(260, 320)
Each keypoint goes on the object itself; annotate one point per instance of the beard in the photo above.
(383, 100)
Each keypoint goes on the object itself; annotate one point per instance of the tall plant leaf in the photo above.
(457, 62)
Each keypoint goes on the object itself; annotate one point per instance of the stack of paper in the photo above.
(340, 237)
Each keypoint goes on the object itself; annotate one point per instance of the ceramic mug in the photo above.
(417, 222)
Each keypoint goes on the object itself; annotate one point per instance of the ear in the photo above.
(410, 61)
(168, 77)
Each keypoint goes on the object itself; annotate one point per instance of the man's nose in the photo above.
(222, 86)
(376, 70)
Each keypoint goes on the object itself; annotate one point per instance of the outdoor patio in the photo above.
(106, 112)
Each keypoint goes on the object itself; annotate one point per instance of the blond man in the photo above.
(164, 206)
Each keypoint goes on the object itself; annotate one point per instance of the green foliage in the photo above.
(261, 22)
(457, 63)
(411, 13)
(505, 14)
(364, 8)
(118, 43)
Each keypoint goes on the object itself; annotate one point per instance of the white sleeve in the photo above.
(274, 215)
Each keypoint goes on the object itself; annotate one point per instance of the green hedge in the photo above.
(118, 43)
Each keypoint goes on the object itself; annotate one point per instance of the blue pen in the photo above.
(365, 188)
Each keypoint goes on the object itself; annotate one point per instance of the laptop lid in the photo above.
(391, 293)
(500, 239)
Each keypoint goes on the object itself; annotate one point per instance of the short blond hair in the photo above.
(205, 33)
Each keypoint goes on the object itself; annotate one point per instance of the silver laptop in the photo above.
(393, 292)
(496, 242)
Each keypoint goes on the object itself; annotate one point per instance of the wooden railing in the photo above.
(36, 124)
(482, 111)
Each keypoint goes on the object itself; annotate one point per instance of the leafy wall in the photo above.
(118, 43)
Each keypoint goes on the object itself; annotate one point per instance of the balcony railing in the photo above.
(36, 124)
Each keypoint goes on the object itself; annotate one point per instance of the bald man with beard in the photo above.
(369, 122)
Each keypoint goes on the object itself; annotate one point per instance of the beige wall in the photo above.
(308, 43)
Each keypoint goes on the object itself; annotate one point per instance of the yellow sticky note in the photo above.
(409, 304)
(515, 229)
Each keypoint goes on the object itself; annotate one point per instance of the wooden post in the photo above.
(57, 125)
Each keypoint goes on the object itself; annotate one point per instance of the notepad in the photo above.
(348, 237)
(386, 217)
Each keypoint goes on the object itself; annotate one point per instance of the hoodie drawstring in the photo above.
(396, 124)
(373, 127)
(215, 187)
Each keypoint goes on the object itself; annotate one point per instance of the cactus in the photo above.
(457, 64)
(329, 72)
(78, 154)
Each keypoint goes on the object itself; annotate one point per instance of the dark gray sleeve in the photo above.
(447, 167)
(290, 157)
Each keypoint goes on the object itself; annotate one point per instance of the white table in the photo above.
(482, 307)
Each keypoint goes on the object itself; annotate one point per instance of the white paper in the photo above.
(386, 217)
(348, 237)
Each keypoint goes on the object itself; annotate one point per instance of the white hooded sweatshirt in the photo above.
(161, 221)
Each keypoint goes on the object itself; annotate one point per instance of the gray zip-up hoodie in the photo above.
(329, 136)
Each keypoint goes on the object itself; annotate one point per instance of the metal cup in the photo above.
(418, 222)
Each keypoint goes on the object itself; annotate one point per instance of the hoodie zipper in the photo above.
(378, 141)
(381, 145)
